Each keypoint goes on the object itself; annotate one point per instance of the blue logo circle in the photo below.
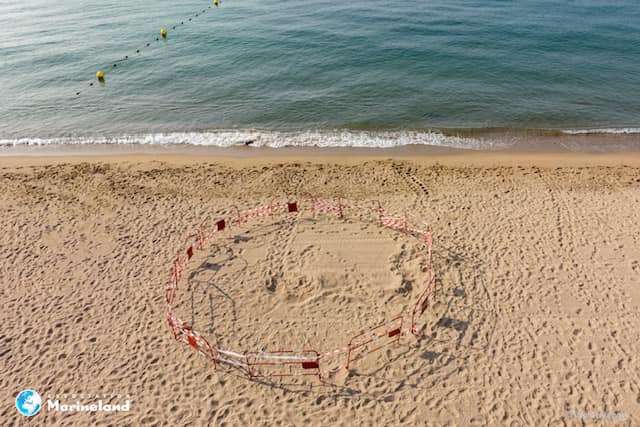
(28, 402)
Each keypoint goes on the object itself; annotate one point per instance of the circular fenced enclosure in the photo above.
(308, 288)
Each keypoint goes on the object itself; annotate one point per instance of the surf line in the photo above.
(101, 74)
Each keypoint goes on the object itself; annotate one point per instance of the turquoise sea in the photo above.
(315, 72)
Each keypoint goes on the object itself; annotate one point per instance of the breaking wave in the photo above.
(274, 139)
(615, 131)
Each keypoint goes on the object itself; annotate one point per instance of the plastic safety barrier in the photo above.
(286, 363)
(373, 340)
(305, 363)
(429, 292)
(328, 206)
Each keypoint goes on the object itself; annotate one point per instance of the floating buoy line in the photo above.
(101, 74)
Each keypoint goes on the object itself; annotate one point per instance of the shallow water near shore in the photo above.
(317, 73)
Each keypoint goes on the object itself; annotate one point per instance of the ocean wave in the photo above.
(617, 131)
(274, 139)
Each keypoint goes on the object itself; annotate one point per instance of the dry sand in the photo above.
(536, 322)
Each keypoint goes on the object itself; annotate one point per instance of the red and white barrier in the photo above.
(394, 223)
(320, 206)
(232, 358)
(288, 363)
(429, 291)
(259, 212)
(374, 339)
(426, 297)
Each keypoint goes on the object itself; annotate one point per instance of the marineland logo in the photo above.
(99, 406)
(28, 402)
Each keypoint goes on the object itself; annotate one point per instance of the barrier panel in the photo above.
(172, 322)
(328, 206)
(259, 212)
(185, 334)
(429, 291)
(422, 304)
(394, 223)
(233, 359)
(305, 363)
(172, 284)
(374, 340)
(284, 364)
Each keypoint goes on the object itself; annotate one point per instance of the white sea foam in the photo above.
(618, 131)
(274, 139)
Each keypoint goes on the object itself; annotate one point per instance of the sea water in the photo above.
(316, 72)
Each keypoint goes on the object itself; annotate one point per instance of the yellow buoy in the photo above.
(100, 75)
(216, 3)
(163, 33)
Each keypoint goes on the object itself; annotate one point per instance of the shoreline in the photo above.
(361, 140)
(242, 156)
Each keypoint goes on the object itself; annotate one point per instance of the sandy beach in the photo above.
(536, 256)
